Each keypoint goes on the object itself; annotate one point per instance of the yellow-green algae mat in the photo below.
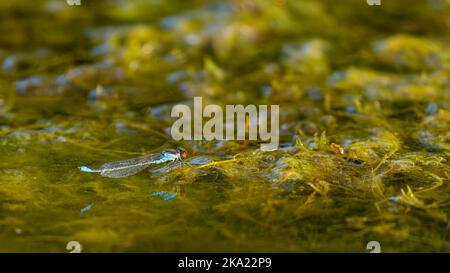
(365, 125)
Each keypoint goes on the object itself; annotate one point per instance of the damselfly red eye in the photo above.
(183, 153)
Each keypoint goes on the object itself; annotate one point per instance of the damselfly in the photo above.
(132, 166)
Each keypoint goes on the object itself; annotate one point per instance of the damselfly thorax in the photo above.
(128, 167)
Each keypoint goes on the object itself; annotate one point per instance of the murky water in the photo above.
(365, 120)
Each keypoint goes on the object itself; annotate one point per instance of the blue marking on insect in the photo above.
(165, 157)
(164, 195)
(87, 169)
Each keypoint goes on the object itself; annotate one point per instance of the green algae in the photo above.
(365, 121)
